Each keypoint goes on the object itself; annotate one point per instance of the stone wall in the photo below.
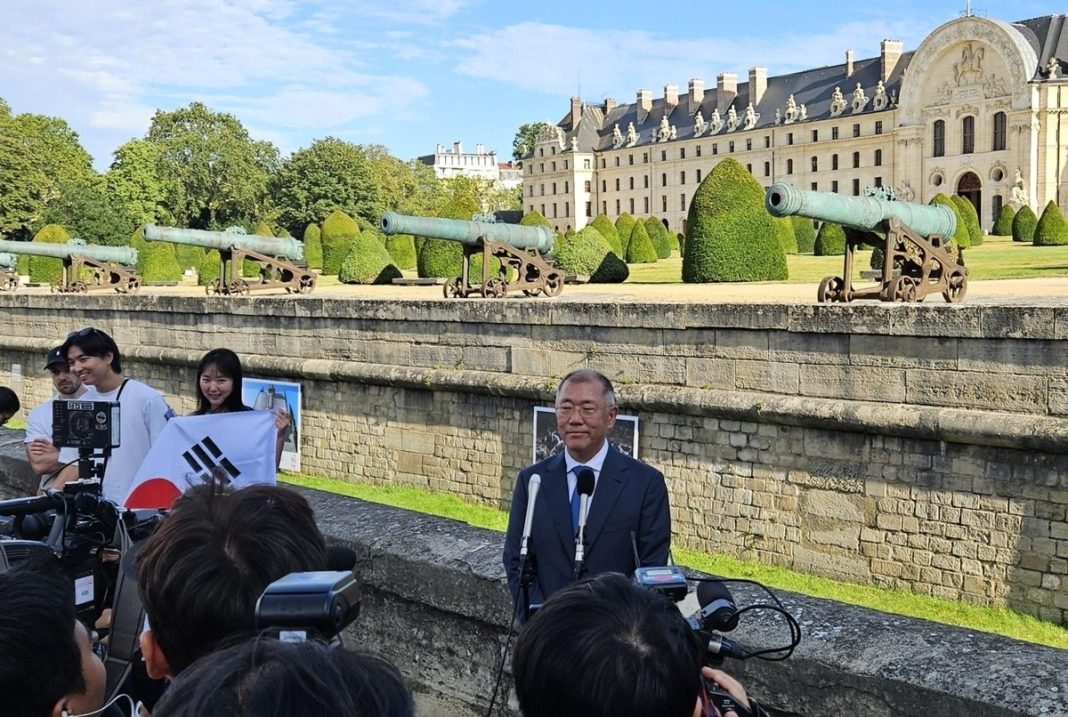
(921, 447)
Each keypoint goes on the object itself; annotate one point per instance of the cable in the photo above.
(504, 655)
(778, 607)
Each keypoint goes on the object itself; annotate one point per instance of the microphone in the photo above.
(532, 495)
(584, 485)
(340, 558)
(725, 647)
(718, 609)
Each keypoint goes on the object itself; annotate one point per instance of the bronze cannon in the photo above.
(280, 259)
(9, 273)
(518, 248)
(918, 258)
(112, 267)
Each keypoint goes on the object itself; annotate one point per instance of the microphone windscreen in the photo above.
(709, 592)
(339, 557)
(585, 482)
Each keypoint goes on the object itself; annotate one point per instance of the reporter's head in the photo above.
(267, 678)
(46, 662)
(605, 647)
(201, 572)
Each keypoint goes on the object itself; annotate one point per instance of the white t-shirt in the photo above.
(39, 425)
(143, 413)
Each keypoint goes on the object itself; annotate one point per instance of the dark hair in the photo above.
(9, 401)
(228, 364)
(40, 661)
(606, 647)
(94, 342)
(202, 571)
(268, 678)
(588, 375)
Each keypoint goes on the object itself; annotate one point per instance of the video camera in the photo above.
(312, 605)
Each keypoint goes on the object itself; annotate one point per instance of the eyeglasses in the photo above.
(82, 333)
(586, 410)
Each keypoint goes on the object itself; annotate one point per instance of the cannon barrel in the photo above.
(866, 213)
(124, 255)
(539, 237)
(288, 247)
(8, 261)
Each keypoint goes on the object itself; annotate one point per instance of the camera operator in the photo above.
(95, 360)
(9, 405)
(47, 667)
(605, 647)
(268, 678)
(44, 457)
(202, 571)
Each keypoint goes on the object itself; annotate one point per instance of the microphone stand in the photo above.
(527, 574)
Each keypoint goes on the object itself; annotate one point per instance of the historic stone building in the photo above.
(980, 108)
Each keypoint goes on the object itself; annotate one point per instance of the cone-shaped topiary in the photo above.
(586, 253)
(1023, 225)
(1003, 224)
(639, 249)
(157, 263)
(368, 262)
(966, 210)
(313, 246)
(534, 219)
(658, 235)
(611, 271)
(208, 270)
(43, 269)
(784, 229)
(1051, 230)
(250, 268)
(729, 234)
(338, 230)
(960, 236)
(608, 231)
(624, 226)
(804, 234)
(830, 240)
(401, 248)
(440, 259)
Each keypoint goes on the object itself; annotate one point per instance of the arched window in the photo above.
(815, 164)
(878, 158)
(939, 138)
(999, 131)
(967, 135)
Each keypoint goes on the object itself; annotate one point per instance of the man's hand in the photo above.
(43, 456)
(727, 684)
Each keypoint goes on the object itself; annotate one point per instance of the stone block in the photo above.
(954, 320)
(864, 383)
(710, 373)
(1011, 356)
(808, 348)
(430, 356)
(903, 351)
(765, 376)
(836, 506)
(999, 392)
(741, 344)
(662, 370)
(1012, 322)
(528, 361)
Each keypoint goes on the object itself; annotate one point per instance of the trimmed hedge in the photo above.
(830, 240)
(534, 219)
(440, 259)
(607, 230)
(313, 247)
(961, 236)
(804, 234)
(157, 262)
(639, 249)
(401, 248)
(729, 234)
(189, 257)
(966, 210)
(589, 253)
(368, 262)
(1023, 225)
(339, 229)
(784, 229)
(208, 269)
(659, 236)
(43, 269)
(1051, 230)
(624, 226)
(1003, 224)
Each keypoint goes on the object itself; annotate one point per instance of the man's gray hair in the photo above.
(588, 375)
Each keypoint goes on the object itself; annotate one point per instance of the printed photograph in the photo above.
(261, 394)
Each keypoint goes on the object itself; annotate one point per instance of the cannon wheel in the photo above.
(453, 289)
(554, 284)
(831, 290)
(903, 289)
(495, 288)
(79, 287)
(306, 284)
(239, 287)
(957, 287)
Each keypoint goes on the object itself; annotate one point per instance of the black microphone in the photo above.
(340, 558)
(718, 609)
(532, 496)
(584, 485)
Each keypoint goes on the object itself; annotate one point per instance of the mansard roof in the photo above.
(1048, 35)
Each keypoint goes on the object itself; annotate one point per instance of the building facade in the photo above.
(980, 109)
(480, 164)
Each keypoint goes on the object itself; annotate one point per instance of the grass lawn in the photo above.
(999, 621)
(997, 258)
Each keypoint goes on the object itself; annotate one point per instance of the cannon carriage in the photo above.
(918, 257)
(518, 248)
(109, 267)
(9, 273)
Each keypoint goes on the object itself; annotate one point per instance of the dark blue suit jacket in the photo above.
(630, 497)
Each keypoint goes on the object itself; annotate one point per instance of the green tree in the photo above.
(88, 211)
(830, 241)
(534, 219)
(804, 233)
(960, 235)
(212, 173)
(729, 234)
(525, 138)
(624, 227)
(608, 232)
(1023, 225)
(367, 262)
(1003, 224)
(640, 249)
(967, 213)
(133, 181)
(339, 229)
(588, 253)
(659, 236)
(46, 270)
(1051, 230)
(313, 246)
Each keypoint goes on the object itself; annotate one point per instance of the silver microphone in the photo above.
(532, 495)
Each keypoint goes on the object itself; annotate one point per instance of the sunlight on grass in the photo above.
(999, 621)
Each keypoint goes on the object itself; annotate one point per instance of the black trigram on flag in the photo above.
(207, 460)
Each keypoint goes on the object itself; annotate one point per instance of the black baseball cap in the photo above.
(56, 355)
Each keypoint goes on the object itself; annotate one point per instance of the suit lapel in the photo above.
(556, 497)
(614, 475)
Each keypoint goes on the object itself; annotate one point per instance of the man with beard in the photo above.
(45, 457)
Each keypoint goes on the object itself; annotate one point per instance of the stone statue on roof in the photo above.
(1053, 68)
(715, 123)
(860, 100)
(574, 142)
(802, 114)
(790, 116)
(732, 119)
(664, 133)
(778, 116)
(838, 103)
(751, 117)
(880, 101)
(632, 135)
(617, 137)
(698, 125)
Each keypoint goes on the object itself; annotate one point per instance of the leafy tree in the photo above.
(1051, 230)
(534, 219)
(967, 213)
(1023, 225)
(804, 233)
(46, 270)
(608, 232)
(339, 229)
(525, 138)
(331, 174)
(830, 241)
(461, 197)
(212, 173)
(133, 181)
(313, 247)
(639, 249)
(88, 211)
(1003, 224)
(729, 234)
(367, 262)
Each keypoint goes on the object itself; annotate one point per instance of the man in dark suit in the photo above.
(629, 498)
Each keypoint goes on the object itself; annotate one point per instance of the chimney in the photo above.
(458, 147)
(576, 111)
(645, 101)
(726, 90)
(758, 84)
(697, 93)
(671, 97)
(849, 63)
(889, 54)
(609, 104)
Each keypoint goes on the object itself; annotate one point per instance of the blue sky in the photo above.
(410, 74)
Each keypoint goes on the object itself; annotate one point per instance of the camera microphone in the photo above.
(584, 485)
(718, 609)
